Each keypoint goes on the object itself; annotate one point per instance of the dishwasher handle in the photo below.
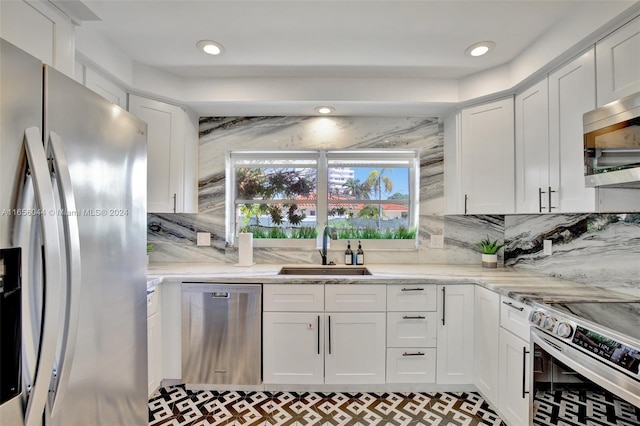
(219, 290)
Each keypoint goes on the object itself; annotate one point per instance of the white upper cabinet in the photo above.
(41, 30)
(532, 149)
(572, 92)
(618, 63)
(105, 87)
(171, 170)
(486, 166)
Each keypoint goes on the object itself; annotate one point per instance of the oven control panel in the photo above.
(588, 340)
(552, 324)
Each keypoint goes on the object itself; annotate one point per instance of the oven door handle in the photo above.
(598, 372)
(525, 352)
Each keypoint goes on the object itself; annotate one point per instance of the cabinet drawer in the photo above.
(412, 329)
(355, 298)
(411, 298)
(411, 365)
(514, 317)
(293, 297)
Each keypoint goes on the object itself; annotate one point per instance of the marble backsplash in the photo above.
(597, 249)
(174, 235)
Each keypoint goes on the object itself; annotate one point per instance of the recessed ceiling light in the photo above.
(325, 109)
(479, 49)
(210, 47)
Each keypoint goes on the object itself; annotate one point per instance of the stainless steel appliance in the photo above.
(73, 223)
(221, 334)
(612, 144)
(586, 363)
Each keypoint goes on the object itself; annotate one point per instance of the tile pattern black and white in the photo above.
(582, 407)
(177, 406)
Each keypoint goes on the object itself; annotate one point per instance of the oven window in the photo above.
(564, 397)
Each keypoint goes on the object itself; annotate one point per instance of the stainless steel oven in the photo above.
(586, 372)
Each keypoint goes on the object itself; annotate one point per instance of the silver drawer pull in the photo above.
(413, 289)
(511, 305)
(416, 317)
(413, 354)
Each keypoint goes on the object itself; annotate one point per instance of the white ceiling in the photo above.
(299, 39)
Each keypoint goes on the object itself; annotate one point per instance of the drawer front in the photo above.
(412, 329)
(293, 297)
(355, 298)
(411, 365)
(514, 317)
(411, 298)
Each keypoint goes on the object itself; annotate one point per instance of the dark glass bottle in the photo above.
(359, 255)
(348, 254)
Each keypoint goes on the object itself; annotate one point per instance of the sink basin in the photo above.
(324, 270)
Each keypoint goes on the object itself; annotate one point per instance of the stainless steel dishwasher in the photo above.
(221, 333)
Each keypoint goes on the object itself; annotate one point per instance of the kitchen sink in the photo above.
(324, 270)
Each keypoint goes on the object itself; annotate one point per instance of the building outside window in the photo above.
(365, 194)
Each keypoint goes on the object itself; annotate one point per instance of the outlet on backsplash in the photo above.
(547, 247)
(203, 239)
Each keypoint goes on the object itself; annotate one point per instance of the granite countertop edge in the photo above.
(521, 285)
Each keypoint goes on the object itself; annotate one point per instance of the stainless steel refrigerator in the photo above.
(73, 337)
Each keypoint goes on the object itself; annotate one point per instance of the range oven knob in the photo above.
(564, 330)
(549, 323)
(537, 318)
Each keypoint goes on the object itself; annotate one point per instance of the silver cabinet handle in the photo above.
(73, 268)
(45, 202)
(466, 199)
(329, 325)
(413, 317)
(413, 354)
(511, 305)
(413, 289)
(540, 192)
(550, 206)
(174, 202)
(444, 303)
(525, 352)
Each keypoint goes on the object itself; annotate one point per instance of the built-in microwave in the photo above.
(612, 144)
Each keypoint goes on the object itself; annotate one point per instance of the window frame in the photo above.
(345, 158)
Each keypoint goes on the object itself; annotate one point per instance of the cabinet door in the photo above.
(487, 158)
(293, 350)
(355, 298)
(105, 88)
(532, 149)
(411, 297)
(165, 154)
(411, 365)
(571, 94)
(618, 63)
(486, 340)
(455, 334)
(412, 329)
(514, 379)
(355, 348)
(154, 349)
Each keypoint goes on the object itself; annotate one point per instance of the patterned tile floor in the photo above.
(177, 406)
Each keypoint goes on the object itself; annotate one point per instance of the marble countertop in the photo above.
(519, 285)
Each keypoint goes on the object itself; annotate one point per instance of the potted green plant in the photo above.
(150, 248)
(489, 252)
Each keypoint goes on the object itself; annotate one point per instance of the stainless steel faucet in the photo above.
(329, 231)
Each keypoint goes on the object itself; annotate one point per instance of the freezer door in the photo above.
(105, 153)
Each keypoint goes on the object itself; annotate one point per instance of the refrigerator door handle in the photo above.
(45, 205)
(69, 214)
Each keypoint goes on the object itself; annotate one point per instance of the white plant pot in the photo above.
(489, 260)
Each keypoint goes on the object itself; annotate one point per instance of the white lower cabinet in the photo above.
(411, 365)
(324, 347)
(154, 341)
(514, 379)
(293, 348)
(486, 341)
(455, 334)
(355, 352)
